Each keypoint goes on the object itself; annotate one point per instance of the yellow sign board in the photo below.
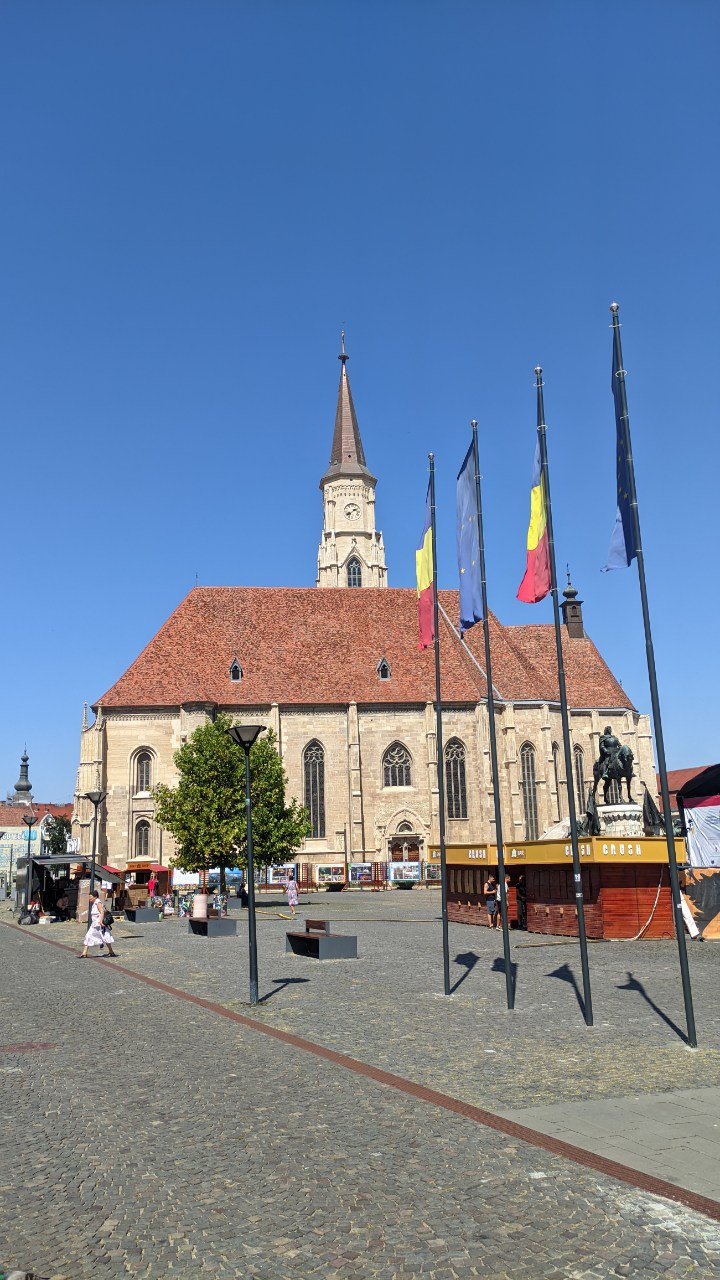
(625, 850)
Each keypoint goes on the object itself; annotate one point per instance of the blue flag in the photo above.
(468, 545)
(622, 543)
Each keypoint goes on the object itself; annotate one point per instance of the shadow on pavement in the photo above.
(634, 984)
(468, 959)
(498, 966)
(565, 974)
(280, 984)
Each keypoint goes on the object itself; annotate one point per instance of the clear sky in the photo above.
(198, 194)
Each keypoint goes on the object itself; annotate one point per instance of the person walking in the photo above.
(99, 933)
(292, 895)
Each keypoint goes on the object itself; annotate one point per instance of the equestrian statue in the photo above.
(614, 764)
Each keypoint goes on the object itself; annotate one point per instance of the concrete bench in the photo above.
(317, 941)
(213, 927)
(143, 915)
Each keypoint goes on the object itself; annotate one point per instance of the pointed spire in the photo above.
(85, 720)
(23, 786)
(570, 591)
(347, 456)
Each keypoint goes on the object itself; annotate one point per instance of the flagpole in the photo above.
(439, 741)
(577, 872)
(509, 984)
(654, 697)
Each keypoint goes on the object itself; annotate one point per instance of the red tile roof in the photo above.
(677, 779)
(309, 646)
(11, 814)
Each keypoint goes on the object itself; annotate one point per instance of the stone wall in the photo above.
(354, 740)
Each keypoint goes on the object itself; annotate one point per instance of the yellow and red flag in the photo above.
(425, 584)
(536, 583)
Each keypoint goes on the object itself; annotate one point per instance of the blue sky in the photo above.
(198, 194)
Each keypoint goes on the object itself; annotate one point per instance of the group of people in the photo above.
(491, 890)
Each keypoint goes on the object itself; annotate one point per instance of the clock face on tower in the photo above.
(352, 511)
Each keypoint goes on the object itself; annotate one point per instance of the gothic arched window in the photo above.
(528, 786)
(354, 572)
(455, 789)
(314, 770)
(556, 772)
(143, 766)
(579, 761)
(142, 840)
(396, 766)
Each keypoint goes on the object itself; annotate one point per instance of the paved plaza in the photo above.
(149, 1135)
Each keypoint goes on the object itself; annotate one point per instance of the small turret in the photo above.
(23, 786)
(572, 611)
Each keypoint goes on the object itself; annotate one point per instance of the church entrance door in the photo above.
(403, 849)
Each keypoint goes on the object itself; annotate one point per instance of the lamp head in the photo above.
(245, 734)
(30, 819)
(95, 797)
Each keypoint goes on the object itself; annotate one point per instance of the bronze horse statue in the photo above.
(613, 769)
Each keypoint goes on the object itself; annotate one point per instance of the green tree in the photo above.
(205, 812)
(55, 833)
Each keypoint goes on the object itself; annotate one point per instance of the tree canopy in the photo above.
(205, 812)
(55, 833)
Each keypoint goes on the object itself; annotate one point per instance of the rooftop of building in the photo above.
(301, 645)
(11, 815)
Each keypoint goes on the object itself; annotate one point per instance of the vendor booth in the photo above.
(625, 882)
(61, 876)
(137, 883)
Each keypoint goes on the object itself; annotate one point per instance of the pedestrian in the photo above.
(62, 906)
(99, 933)
(491, 900)
(292, 895)
(152, 884)
(521, 896)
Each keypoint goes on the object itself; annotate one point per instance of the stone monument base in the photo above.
(620, 820)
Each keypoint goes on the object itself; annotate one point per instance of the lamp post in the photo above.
(96, 798)
(244, 735)
(29, 819)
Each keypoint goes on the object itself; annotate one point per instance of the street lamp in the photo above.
(244, 735)
(29, 819)
(96, 798)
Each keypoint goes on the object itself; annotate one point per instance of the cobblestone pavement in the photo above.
(148, 1137)
(387, 1006)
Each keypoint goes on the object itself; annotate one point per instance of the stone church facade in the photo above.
(335, 671)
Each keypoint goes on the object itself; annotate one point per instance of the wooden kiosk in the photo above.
(625, 882)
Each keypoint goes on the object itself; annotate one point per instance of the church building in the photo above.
(336, 672)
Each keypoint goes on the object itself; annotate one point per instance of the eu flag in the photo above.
(622, 543)
(468, 545)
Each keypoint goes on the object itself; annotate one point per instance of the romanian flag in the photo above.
(536, 583)
(425, 585)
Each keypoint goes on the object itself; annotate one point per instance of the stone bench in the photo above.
(213, 927)
(317, 941)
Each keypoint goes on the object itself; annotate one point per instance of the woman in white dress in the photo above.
(98, 933)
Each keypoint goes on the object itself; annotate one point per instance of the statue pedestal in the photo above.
(620, 820)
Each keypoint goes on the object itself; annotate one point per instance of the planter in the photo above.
(334, 888)
(404, 884)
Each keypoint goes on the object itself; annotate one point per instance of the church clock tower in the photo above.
(351, 552)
